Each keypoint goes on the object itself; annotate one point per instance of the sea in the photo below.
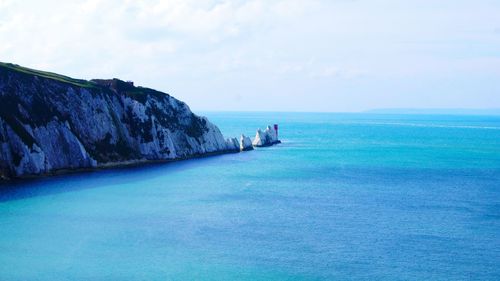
(343, 197)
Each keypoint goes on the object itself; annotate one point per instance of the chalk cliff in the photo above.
(50, 122)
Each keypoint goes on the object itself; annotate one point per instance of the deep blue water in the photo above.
(344, 197)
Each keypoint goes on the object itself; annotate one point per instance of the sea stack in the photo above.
(245, 143)
(233, 144)
(266, 138)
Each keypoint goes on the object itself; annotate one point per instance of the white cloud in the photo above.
(206, 50)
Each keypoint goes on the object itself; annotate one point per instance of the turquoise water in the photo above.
(345, 197)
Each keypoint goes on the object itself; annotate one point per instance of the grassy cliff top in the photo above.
(135, 92)
(49, 75)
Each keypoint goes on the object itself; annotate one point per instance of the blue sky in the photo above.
(337, 55)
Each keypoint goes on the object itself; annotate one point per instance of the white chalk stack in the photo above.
(266, 138)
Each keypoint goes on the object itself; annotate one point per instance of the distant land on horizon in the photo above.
(444, 111)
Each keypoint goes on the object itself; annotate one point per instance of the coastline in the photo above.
(113, 165)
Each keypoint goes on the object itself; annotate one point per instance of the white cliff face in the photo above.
(265, 138)
(47, 125)
(25, 157)
(63, 150)
(245, 143)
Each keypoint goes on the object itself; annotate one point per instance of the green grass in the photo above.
(137, 93)
(49, 75)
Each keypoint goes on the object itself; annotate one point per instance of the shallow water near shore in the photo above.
(344, 197)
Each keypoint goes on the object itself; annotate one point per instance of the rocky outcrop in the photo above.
(50, 122)
(266, 138)
(233, 145)
(245, 143)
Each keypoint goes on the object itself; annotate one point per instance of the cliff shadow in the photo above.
(73, 181)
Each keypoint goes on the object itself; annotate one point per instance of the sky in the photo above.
(265, 55)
